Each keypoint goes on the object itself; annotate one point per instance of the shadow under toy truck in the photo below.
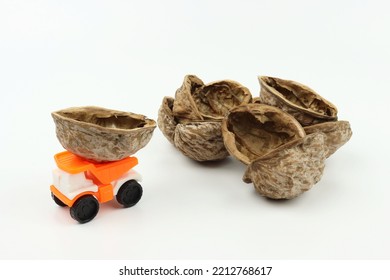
(82, 185)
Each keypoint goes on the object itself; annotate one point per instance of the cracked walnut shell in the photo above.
(201, 141)
(307, 106)
(196, 101)
(101, 134)
(253, 130)
(289, 170)
(192, 120)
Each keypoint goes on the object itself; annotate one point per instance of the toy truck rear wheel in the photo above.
(129, 193)
(84, 209)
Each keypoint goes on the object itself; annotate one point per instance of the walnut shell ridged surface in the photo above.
(192, 120)
(307, 106)
(184, 103)
(289, 170)
(166, 121)
(201, 141)
(101, 134)
(337, 134)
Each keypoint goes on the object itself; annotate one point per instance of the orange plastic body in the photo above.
(102, 174)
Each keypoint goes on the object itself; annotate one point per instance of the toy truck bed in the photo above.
(100, 173)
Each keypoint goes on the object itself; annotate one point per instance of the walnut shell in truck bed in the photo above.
(101, 134)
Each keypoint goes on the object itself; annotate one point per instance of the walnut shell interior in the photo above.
(307, 106)
(196, 101)
(215, 100)
(103, 117)
(253, 130)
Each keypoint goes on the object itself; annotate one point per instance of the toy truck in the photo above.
(81, 184)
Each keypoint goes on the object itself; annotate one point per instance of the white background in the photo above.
(128, 55)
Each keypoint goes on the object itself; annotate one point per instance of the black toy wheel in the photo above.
(84, 209)
(129, 193)
(57, 200)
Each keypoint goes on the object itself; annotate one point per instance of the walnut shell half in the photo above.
(198, 140)
(192, 120)
(289, 170)
(307, 106)
(253, 130)
(101, 134)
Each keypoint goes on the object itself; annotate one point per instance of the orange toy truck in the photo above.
(81, 184)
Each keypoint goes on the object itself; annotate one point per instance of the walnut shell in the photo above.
(289, 170)
(253, 130)
(337, 134)
(101, 134)
(196, 101)
(166, 121)
(184, 104)
(192, 120)
(300, 101)
(201, 141)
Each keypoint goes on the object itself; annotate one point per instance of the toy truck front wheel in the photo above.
(57, 200)
(84, 209)
(129, 193)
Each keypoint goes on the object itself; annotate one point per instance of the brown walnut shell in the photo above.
(201, 141)
(166, 121)
(253, 130)
(307, 106)
(337, 134)
(289, 170)
(192, 120)
(184, 104)
(101, 134)
(196, 101)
